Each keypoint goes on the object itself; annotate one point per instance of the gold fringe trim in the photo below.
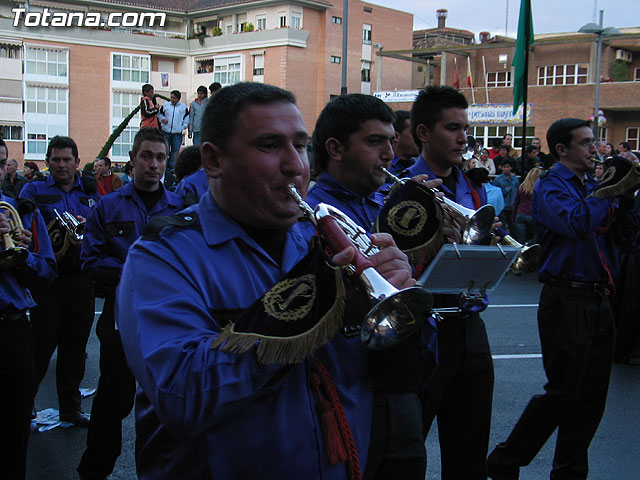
(290, 350)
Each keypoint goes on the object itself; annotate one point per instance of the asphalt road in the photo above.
(512, 329)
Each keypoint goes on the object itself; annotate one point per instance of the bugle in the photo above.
(71, 224)
(477, 226)
(394, 314)
(11, 255)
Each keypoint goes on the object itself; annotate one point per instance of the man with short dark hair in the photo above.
(404, 147)
(195, 113)
(148, 108)
(507, 139)
(214, 87)
(65, 310)
(107, 180)
(113, 225)
(174, 118)
(547, 159)
(18, 382)
(196, 272)
(13, 181)
(353, 139)
(461, 391)
(574, 317)
(529, 161)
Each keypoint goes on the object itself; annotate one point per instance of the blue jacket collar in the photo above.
(336, 189)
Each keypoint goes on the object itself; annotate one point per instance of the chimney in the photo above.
(441, 15)
(484, 37)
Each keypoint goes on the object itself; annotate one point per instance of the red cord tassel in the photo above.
(333, 445)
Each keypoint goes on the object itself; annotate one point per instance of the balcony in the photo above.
(11, 68)
(245, 40)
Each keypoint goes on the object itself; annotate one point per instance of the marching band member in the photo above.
(461, 391)
(65, 310)
(352, 140)
(113, 225)
(198, 407)
(18, 381)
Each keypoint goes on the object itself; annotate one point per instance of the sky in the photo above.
(549, 16)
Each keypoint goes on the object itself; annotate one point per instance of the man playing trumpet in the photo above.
(18, 382)
(204, 412)
(65, 310)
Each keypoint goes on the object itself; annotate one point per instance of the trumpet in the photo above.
(477, 222)
(394, 314)
(71, 224)
(11, 255)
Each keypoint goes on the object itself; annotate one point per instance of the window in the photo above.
(604, 134)
(10, 51)
(335, 59)
(258, 65)
(282, 20)
(499, 79)
(229, 28)
(296, 20)
(52, 63)
(130, 68)
(633, 137)
(366, 34)
(45, 100)
(226, 70)
(636, 75)
(336, 20)
(124, 143)
(11, 132)
(365, 73)
(517, 136)
(488, 135)
(261, 22)
(122, 103)
(37, 143)
(563, 74)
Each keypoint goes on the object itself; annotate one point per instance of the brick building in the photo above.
(562, 74)
(82, 81)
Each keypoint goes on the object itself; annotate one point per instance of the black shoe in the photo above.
(497, 471)
(77, 418)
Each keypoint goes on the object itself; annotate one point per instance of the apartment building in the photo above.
(83, 79)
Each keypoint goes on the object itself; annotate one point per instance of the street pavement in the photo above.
(512, 329)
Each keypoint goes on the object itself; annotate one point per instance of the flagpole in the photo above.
(473, 95)
(527, 38)
(484, 71)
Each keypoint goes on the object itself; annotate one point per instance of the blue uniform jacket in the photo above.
(566, 223)
(113, 225)
(463, 194)
(14, 295)
(390, 371)
(192, 187)
(362, 210)
(204, 413)
(49, 196)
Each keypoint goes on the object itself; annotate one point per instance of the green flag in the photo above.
(521, 58)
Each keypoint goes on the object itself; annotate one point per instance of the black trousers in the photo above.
(461, 395)
(112, 403)
(396, 449)
(576, 335)
(63, 319)
(18, 389)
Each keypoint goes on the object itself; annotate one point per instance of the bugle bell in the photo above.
(477, 223)
(11, 255)
(394, 314)
(71, 224)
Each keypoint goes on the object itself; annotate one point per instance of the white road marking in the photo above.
(516, 356)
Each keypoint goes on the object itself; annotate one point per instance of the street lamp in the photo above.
(600, 31)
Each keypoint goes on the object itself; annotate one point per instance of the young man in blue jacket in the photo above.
(174, 118)
(113, 225)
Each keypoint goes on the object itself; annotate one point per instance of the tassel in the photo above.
(333, 446)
